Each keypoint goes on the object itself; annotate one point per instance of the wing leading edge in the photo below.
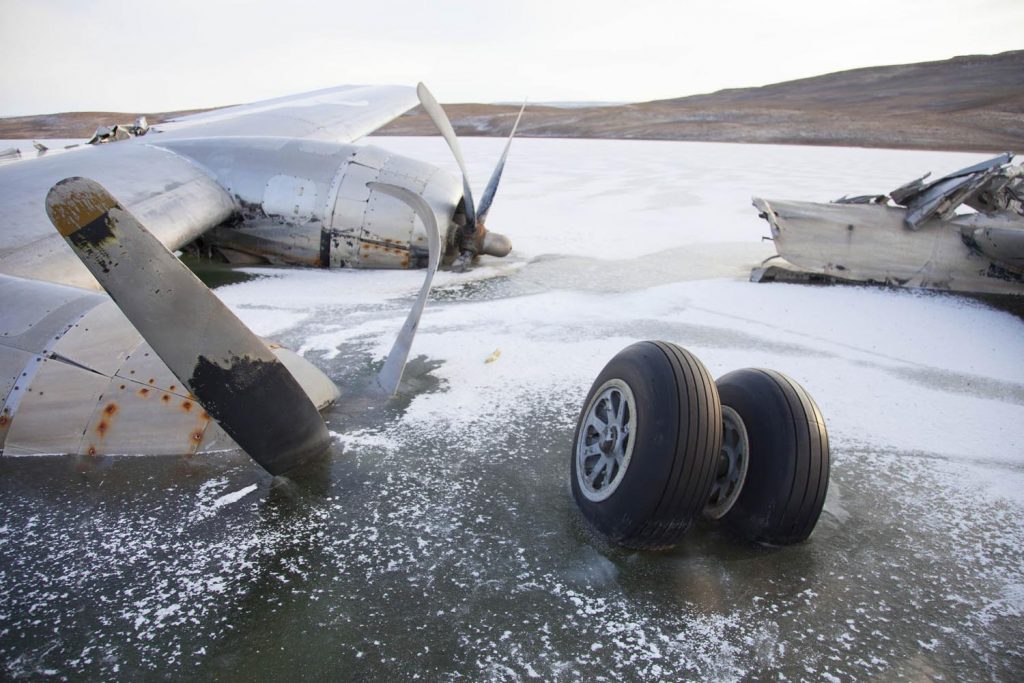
(342, 114)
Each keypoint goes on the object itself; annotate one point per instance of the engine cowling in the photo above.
(308, 202)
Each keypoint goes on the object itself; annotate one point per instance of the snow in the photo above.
(441, 540)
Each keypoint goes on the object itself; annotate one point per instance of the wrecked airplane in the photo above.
(156, 365)
(119, 131)
(963, 232)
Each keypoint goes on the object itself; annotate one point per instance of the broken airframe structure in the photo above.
(922, 239)
(119, 131)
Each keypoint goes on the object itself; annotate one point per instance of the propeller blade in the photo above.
(229, 370)
(444, 126)
(492, 184)
(391, 374)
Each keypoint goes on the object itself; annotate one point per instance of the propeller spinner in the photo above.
(474, 237)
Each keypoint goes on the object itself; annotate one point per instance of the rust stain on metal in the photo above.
(3, 420)
(165, 398)
(110, 409)
(152, 381)
(102, 428)
(143, 392)
(197, 435)
(173, 387)
(186, 406)
(91, 451)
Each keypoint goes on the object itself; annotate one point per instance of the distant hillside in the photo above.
(973, 103)
(77, 124)
(978, 82)
(964, 103)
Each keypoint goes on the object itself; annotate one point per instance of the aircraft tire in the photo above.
(787, 474)
(653, 418)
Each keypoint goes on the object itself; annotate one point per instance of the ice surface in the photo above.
(439, 539)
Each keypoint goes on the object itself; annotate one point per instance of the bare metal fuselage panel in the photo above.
(77, 378)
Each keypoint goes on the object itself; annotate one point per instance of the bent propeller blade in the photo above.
(232, 374)
(492, 185)
(391, 374)
(444, 127)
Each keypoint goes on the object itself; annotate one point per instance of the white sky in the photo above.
(68, 55)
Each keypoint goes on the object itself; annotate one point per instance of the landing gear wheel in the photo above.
(646, 445)
(787, 476)
(731, 470)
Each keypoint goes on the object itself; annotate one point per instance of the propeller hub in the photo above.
(475, 239)
(482, 241)
(495, 244)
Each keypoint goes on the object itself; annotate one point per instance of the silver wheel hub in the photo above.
(731, 472)
(604, 445)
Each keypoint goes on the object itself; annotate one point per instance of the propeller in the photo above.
(230, 371)
(391, 374)
(475, 238)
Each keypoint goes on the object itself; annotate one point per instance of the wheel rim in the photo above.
(605, 442)
(733, 460)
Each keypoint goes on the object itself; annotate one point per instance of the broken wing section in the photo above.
(921, 242)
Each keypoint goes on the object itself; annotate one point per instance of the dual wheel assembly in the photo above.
(660, 442)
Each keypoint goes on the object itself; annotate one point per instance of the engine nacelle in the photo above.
(307, 202)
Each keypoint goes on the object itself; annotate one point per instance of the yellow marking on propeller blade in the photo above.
(74, 203)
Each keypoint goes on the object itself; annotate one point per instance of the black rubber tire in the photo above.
(675, 447)
(787, 477)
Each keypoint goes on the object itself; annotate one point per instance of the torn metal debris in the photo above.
(963, 232)
(119, 132)
(9, 154)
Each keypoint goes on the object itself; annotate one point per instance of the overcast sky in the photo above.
(73, 55)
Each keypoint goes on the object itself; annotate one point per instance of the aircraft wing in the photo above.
(178, 197)
(342, 114)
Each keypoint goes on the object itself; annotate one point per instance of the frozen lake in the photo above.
(439, 539)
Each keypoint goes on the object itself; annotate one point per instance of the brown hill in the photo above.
(965, 103)
(76, 124)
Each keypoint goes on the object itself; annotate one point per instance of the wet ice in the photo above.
(439, 539)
